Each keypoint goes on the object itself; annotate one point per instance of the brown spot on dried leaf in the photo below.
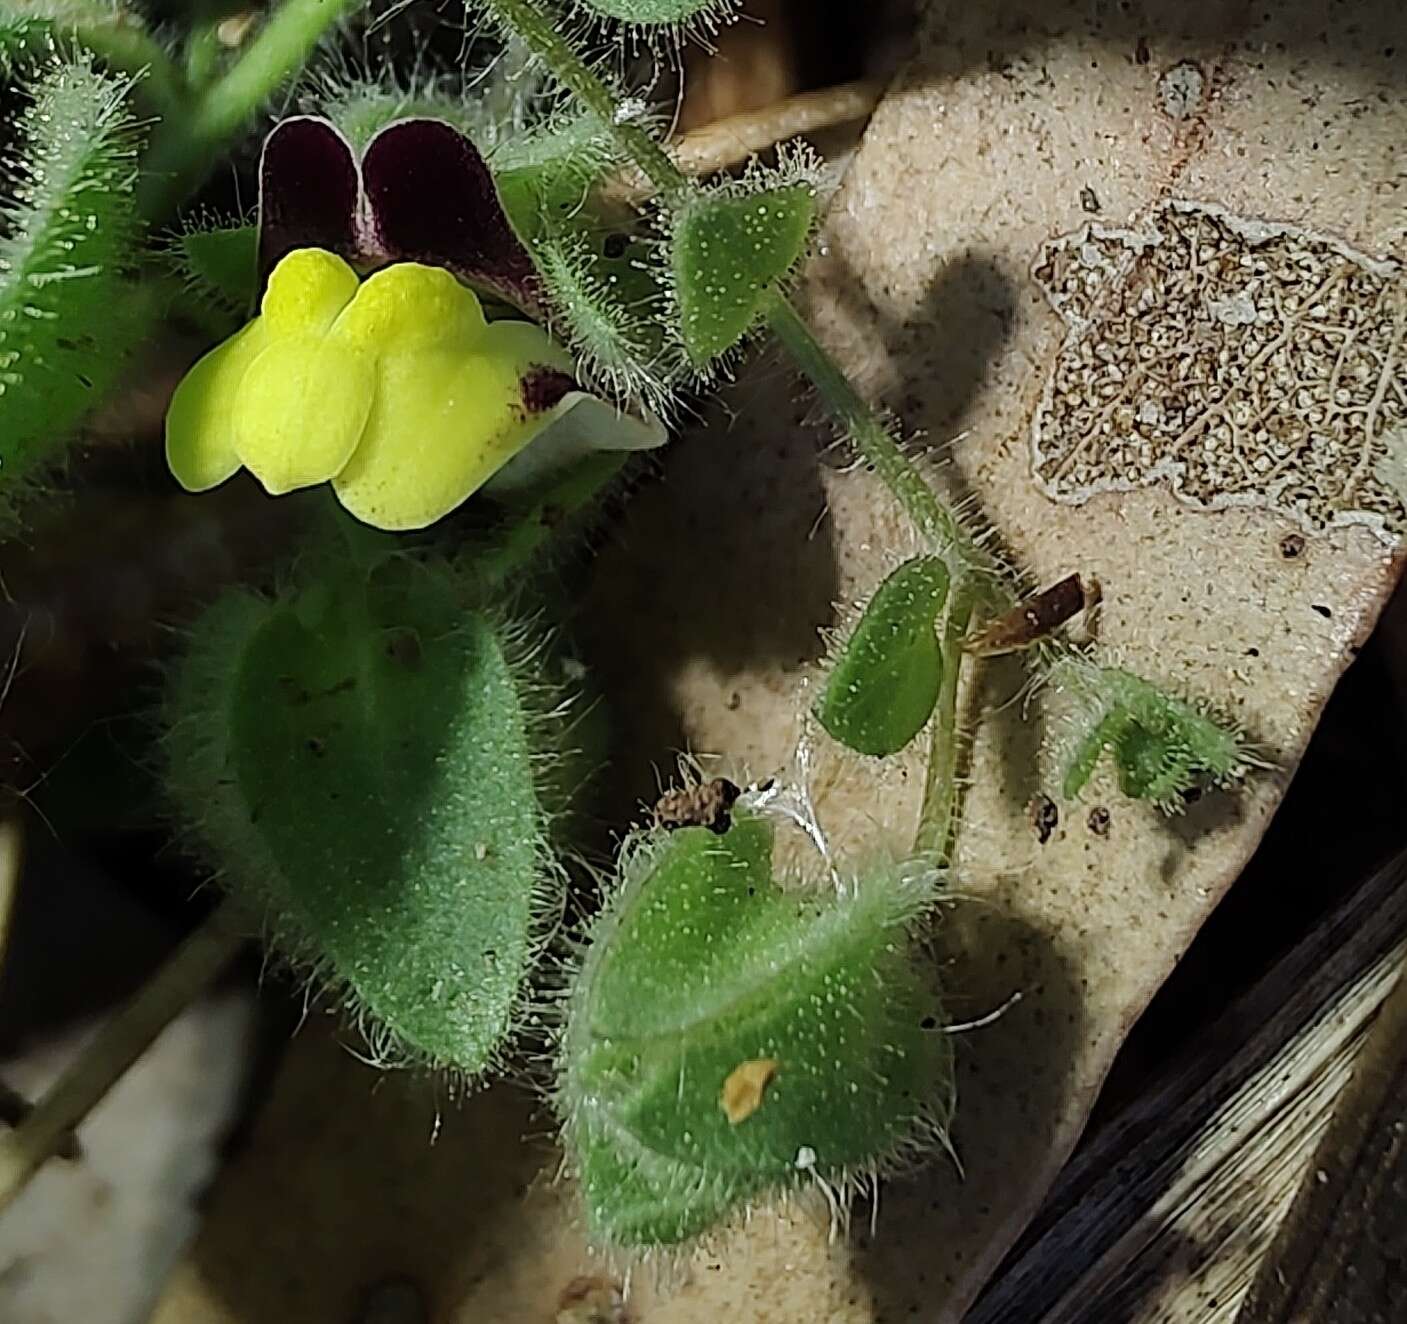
(1045, 817)
(705, 805)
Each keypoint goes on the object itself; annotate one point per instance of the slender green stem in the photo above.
(976, 578)
(537, 29)
(859, 421)
(203, 55)
(50, 1123)
(184, 148)
(534, 528)
(938, 816)
(854, 416)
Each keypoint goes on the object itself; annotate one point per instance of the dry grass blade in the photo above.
(1166, 1214)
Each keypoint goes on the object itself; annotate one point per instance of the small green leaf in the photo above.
(884, 686)
(361, 758)
(727, 251)
(702, 969)
(220, 267)
(1162, 747)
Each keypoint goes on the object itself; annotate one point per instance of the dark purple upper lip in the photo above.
(421, 192)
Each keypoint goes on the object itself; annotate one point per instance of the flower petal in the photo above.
(445, 420)
(408, 307)
(430, 198)
(200, 446)
(308, 192)
(301, 410)
(306, 292)
(578, 425)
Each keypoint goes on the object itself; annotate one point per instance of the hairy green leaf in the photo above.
(106, 30)
(360, 759)
(606, 302)
(727, 1038)
(362, 109)
(885, 683)
(664, 13)
(727, 251)
(219, 267)
(67, 320)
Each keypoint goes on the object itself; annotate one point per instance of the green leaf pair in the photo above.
(727, 1038)
(1162, 747)
(359, 758)
(885, 683)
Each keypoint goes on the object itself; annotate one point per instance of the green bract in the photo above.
(360, 760)
(66, 234)
(663, 13)
(885, 683)
(544, 177)
(218, 267)
(705, 981)
(1162, 746)
(727, 251)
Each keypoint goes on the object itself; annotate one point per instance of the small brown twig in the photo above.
(731, 141)
(48, 1126)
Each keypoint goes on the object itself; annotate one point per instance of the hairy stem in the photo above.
(865, 429)
(974, 575)
(572, 493)
(184, 148)
(537, 29)
(938, 816)
(117, 1046)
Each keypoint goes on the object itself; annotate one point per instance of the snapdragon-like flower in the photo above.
(396, 388)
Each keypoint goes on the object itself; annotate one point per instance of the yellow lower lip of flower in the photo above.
(200, 443)
(443, 424)
(302, 410)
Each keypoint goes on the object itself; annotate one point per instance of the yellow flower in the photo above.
(395, 389)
